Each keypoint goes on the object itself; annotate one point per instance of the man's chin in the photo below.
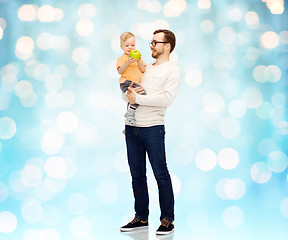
(155, 55)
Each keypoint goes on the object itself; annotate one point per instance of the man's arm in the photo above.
(137, 90)
(162, 99)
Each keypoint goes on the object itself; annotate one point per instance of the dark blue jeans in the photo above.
(150, 140)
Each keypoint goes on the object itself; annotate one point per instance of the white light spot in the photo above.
(204, 4)
(83, 70)
(264, 110)
(52, 141)
(252, 20)
(154, 7)
(1, 33)
(227, 35)
(7, 128)
(8, 222)
(46, 13)
(24, 47)
(87, 10)
(163, 24)
(278, 99)
(237, 109)
(206, 160)
(31, 175)
(194, 77)
(23, 89)
(252, 97)
(233, 217)
(67, 98)
(86, 134)
(284, 207)
(53, 100)
(234, 189)
(67, 122)
(84, 27)
(9, 82)
(228, 158)
(55, 185)
(230, 128)
(5, 100)
(142, 4)
(272, 73)
(58, 14)
(3, 192)
(235, 14)
(40, 71)
(27, 12)
(266, 146)
(213, 102)
(55, 167)
(269, 40)
(45, 41)
(207, 26)
(174, 8)
(145, 31)
(32, 211)
(277, 161)
(260, 172)
(284, 37)
(47, 234)
(80, 55)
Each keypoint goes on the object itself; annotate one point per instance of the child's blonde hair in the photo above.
(124, 36)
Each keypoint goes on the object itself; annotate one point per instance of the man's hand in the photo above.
(132, 92)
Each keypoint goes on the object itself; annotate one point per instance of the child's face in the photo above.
(128, 45)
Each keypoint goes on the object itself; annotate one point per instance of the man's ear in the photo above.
(167, 47)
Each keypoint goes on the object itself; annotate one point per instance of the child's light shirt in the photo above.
(132, 72)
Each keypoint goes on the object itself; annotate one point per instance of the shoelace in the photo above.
(135, 220)
(165, 222)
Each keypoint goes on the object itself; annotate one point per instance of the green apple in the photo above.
(135, 54)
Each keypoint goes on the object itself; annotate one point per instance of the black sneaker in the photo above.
(166, 227)
(135, 224)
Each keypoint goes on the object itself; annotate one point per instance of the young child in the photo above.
(131, 71)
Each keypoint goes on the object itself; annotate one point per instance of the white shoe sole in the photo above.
(164, 233)
(132, 229)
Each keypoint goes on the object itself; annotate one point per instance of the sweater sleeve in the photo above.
(166, 97)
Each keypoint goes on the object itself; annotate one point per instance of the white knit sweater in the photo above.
(161, 83)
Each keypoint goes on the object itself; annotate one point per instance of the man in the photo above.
(161, 81)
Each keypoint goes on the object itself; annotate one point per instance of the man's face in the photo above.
(158, 50)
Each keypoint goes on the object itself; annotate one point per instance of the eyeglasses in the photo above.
(153, 43)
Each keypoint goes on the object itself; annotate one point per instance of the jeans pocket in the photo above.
(162, 129)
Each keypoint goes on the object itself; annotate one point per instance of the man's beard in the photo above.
(157, 54)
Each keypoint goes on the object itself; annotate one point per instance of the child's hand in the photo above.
(132, 60)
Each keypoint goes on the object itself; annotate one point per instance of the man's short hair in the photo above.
(124, 36)
(168, 37)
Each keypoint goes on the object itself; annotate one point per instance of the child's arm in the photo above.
(126, 65)
(141, 66)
